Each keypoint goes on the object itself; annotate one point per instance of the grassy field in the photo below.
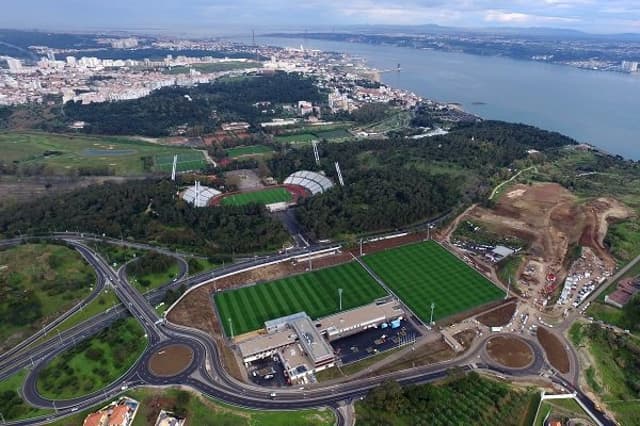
(213, 67)
(68, 154)
(248, 150)
(469, 400)
(333, 134)
(116, 255)
(297, 138)
(315, 292)
(203, 411)
(197, 265)
(148, 281)
(425, 272)
(266, 196)
(622, 318)
(93, 363)
(12, 405)
(106, 300)
(187, 161)
(559, 408)
(616, 369)
(38, 282)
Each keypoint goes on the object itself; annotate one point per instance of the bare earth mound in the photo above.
(498, 317)
(171, 360)
(551, 219)
(553, 347)
(511, 352)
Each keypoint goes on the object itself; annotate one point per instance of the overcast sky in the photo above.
(217, 16)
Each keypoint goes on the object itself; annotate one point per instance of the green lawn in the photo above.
(333, 134)
(315, 292)
(39, 282)
(68, 154)
(115, 254)
(147, 282)
(615, 372)
(297, 138)
(197, 265)
(203, 411)
(106, 300)
(562, 408)
(425, 272)
(94, 363)
(213, 67)
(266, 196)
(187, 161)
(248, 150)
(12, 406)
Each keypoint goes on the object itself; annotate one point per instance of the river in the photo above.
(601, 108)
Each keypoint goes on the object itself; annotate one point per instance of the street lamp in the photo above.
(231, 327)
(433, 306)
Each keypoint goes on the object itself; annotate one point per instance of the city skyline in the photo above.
(216, 17)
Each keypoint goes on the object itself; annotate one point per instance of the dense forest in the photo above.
(201, 107)
(396, 182)
(378, 199)
(150, 211)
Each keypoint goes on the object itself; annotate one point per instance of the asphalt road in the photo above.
(206, 373)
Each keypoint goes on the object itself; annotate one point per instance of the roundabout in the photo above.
(510, 351)
(170, 360)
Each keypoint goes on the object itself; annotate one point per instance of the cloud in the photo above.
(590, 15)
(505, 17)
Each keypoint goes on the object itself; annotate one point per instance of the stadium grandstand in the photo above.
(314, 182)
(199, 195)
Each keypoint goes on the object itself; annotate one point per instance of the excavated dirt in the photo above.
(511, 352)
(498, 317)
(551, 219)
(171, 360)
(553, 347)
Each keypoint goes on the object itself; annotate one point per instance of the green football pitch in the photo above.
(186, 162)
(425, 273)
(248, 150)
(267, 196)
(315, 293)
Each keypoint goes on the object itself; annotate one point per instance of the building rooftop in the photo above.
(295, 360)
(266, 342)
(95, 419)
(118, 415)
(359, 317)
(316, 347)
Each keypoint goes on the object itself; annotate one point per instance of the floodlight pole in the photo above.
(340, 297)
(231, 327)
(508, 288)
(433, 306)
(360, 247)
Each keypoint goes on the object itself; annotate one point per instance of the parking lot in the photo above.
(373, 341)
(267, 372)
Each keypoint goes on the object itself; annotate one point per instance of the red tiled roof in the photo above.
(94, 419)
(118, 415)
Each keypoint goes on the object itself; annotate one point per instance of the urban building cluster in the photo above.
(75, 77)
(304, 347)
(90, 79)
